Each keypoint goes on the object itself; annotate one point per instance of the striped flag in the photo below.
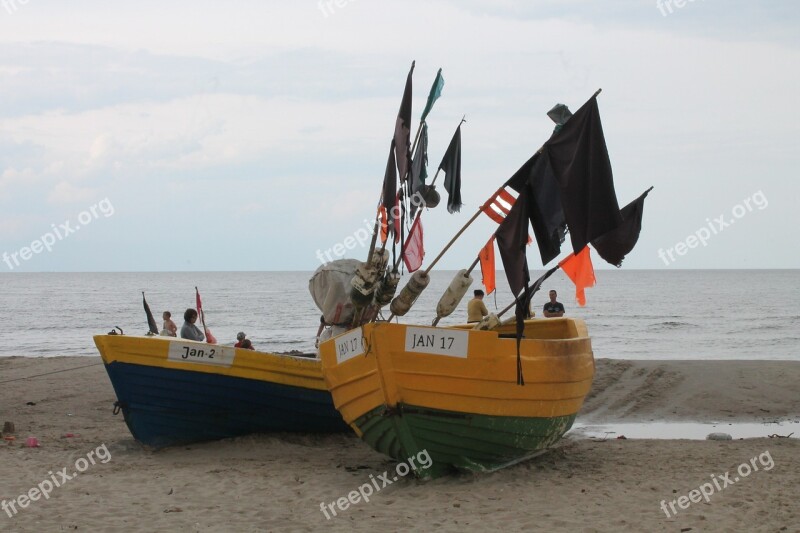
(498, 206)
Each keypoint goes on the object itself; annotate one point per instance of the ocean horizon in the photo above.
(631, 314)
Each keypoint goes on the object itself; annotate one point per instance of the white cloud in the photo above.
(66, 193)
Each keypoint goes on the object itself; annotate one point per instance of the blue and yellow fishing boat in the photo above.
(454, 392)
(175, 391)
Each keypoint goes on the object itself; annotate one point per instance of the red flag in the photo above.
(486, 256)
(209, 337)
(414, 251)
(498, 206)
(580, 270)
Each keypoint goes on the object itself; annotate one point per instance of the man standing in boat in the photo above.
(476, 309)
(553, 308)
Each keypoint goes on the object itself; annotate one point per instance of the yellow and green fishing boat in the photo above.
(482, 397)
(453, 391)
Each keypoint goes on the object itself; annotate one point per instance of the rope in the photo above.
(49, 373)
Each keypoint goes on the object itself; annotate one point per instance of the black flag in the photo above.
(617, 243)
(512, 238)
(451, 165)
(579, 159)
(419, 170)
(536, 180)
(151, 322)
(402, 130)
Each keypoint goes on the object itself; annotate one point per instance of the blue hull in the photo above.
(166, 407)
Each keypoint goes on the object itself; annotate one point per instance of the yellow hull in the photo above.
(460, 370)
(166, 352)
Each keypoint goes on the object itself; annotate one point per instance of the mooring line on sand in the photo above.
(49, 373)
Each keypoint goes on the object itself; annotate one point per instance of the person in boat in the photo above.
(247, 345)
(189, 330)
(553, 308)
(476, 309)
(169, 329)
(240, 338)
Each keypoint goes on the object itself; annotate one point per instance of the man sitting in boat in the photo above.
(189, 330)
(476, 309)
(553, 308)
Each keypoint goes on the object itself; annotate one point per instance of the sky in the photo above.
(253, 135)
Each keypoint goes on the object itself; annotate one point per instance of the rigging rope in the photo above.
(49, 373)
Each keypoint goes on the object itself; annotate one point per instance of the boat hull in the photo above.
(167, 401)
(405, 391)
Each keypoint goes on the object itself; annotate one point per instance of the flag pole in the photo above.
(457, 235)
(512, 304)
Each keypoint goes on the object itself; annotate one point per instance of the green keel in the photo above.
(478, 443)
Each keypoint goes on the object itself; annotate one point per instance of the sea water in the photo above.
(644, 314)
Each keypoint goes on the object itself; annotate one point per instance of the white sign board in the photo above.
(437, 341)
(206, 354)
(349, 345)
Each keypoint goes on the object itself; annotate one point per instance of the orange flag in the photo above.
(580, 270)
(384, 224)
(486, 256)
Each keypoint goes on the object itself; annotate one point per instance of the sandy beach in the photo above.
(278, 482)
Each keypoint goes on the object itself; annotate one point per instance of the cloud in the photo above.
(66, 193)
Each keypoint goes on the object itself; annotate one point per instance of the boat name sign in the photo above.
(437, 341)
(349, 345)
(201, 353)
